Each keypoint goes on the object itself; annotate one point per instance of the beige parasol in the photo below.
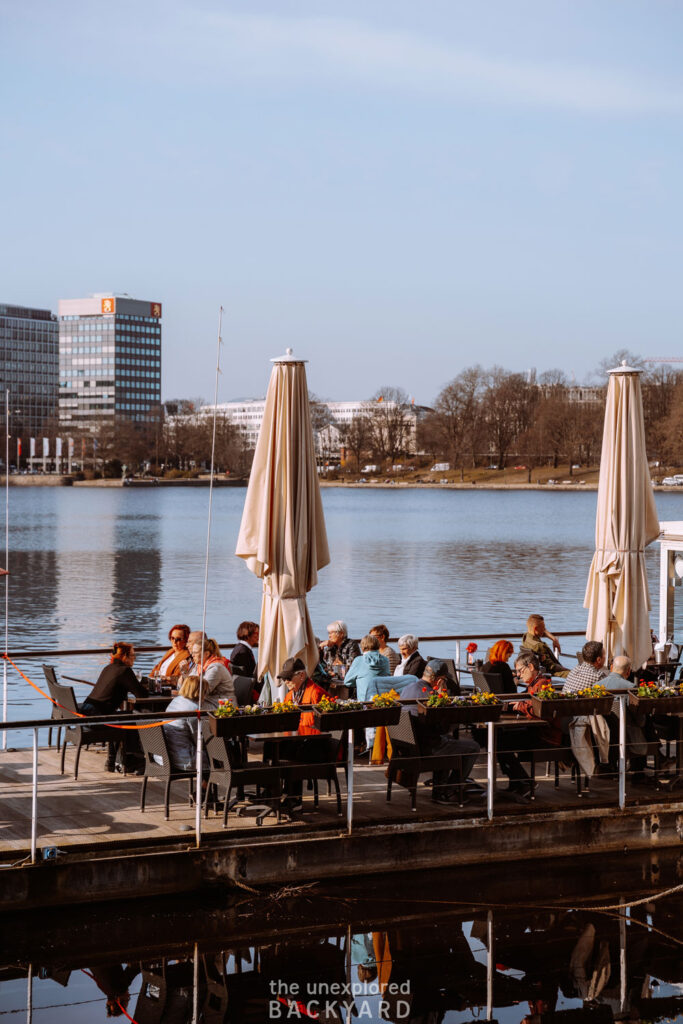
(617, 594)
(282, 536)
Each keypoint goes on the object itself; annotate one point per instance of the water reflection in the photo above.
(417, 956)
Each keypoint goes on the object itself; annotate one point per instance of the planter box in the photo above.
(571, 707)
(460, 715)
(327, 721)
(243, 725)
(657, 705)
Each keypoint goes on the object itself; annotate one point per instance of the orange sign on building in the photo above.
(155, 309)
(108, 305)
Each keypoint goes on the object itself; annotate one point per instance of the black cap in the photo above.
(291, 667)
(438, 667)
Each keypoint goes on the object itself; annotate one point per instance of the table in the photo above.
(280, 740)
(156, 702)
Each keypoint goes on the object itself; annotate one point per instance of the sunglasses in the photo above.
(177, 639)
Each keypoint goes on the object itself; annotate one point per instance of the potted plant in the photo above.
(550, 703)
(442, 709)
(230, 720)
(383, 709)
(657, 699)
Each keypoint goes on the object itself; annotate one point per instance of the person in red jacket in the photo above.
(301, 690)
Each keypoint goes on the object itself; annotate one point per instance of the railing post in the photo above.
(34, 798)
(622, 751)
(490, 965)
(490, 767)
(457, 654)
(29, 995)
(349, 785)
(198, 787)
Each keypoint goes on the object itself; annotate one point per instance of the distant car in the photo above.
(370, 469)
(440, 467)
(673, 481)
(520, 467)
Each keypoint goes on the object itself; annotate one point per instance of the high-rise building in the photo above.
(109, 360)
(29, 368)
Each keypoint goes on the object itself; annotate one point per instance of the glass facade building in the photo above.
(29, 369)
(109, 360)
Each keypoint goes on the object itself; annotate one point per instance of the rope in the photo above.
(76, 714)
(118, 1003)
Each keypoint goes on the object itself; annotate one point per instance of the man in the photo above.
(340, 650)
(242, 660)
(529, 675)
(639, 726)
(532, 641)
(301, 690)
(430, 738)
(588, 673)
(412, 663)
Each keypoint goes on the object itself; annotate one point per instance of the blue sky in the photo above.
(395, 189)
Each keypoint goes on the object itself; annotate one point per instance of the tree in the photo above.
(357, 436)
(509, 402)
(391, 433)
(455, 425)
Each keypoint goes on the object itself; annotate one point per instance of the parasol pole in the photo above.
(198, 795)
(4, 664)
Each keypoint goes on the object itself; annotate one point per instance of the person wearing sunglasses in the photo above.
(173, 660)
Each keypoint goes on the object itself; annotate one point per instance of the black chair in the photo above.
(58, 714)
(324, 769)
(244, 690)
(454, 678)
(158, 765)
(408, 762)
(230, 768)
(81, 735)
(487, 682)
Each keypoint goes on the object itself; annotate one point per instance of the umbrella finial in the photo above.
(625, 368)
(288, 357)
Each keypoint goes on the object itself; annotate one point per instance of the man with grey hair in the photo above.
(339, 651)
(588, 673)
(412, 663)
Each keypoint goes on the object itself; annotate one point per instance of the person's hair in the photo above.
(408, 640)
(500, 651)
(367, 972)
(622, 665)
(185, 630)
(534, 620)
(245, 629)
(196, 636)
(382, 631)
(121, 650)
(369, 643)
(211, 648)
(526, 658)
(592, 650)
(338, 627)
(190, 688)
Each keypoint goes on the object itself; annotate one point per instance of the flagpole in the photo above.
(198, 800)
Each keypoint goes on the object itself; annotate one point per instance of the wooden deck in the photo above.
(101, 808)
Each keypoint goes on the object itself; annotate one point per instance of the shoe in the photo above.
(444, 796)
(292, 803)
(474, 789)
(362, 755)
(521, 796)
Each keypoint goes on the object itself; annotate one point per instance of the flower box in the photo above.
(463, 714)
(657, 705)
(368, 718)
(571, 707)
(243, 725)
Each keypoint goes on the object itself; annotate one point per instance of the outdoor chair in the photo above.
(244, 689)
(325, 769)
(158, 765)
(81, 734)
(487, 682)
(454, 678)
(408, 762)
(58, 714)
(551, 755)
(229, 768)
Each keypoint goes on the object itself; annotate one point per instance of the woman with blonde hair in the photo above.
(497, 664)
(181, 733)
(207, 661)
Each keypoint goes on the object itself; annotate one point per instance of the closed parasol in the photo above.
(617, 595)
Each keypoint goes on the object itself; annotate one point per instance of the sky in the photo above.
(396, 190)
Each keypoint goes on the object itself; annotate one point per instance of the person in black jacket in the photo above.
(242, 660)
(412, 663)
(114, 684)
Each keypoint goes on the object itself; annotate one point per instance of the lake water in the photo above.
(91, 565)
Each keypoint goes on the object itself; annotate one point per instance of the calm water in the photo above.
(90, 565)
(445, 954)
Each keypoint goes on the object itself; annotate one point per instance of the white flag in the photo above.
(32, 448)
(46, 447)
(58, 448)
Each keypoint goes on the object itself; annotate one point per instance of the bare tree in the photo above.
(390, 423)
(356, 437)
(509, 404)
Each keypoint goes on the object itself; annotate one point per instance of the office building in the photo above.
(109, 360)
(29, 368)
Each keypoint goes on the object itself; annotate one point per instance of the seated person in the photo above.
(366, 666)
(532, 641)
(209, 663)
(412, 663)
(113, 685)
(382, 634)
(583, 729)
(242, 660)
(640, 727)
(172, 662)
(301, 690)
(529, 675)
(497, 664)
(430, 738)
(340, 650)
(181, 733)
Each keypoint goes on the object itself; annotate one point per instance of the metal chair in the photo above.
(158, 765)
(81, 735)
(244, 689)
(58, 714)
(229, 767)
(408, 762)
(325, 769)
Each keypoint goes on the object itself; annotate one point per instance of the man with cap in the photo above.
(430, 739)
(301, 690)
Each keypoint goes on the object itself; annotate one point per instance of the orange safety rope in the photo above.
(77, 714)
(115, 1000)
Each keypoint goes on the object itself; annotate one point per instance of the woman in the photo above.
(208, 662)
(340, 649)
(181, 733)
(114, 684)
(497, 664)
(382, 634)
(172, 662)
(368, 665)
